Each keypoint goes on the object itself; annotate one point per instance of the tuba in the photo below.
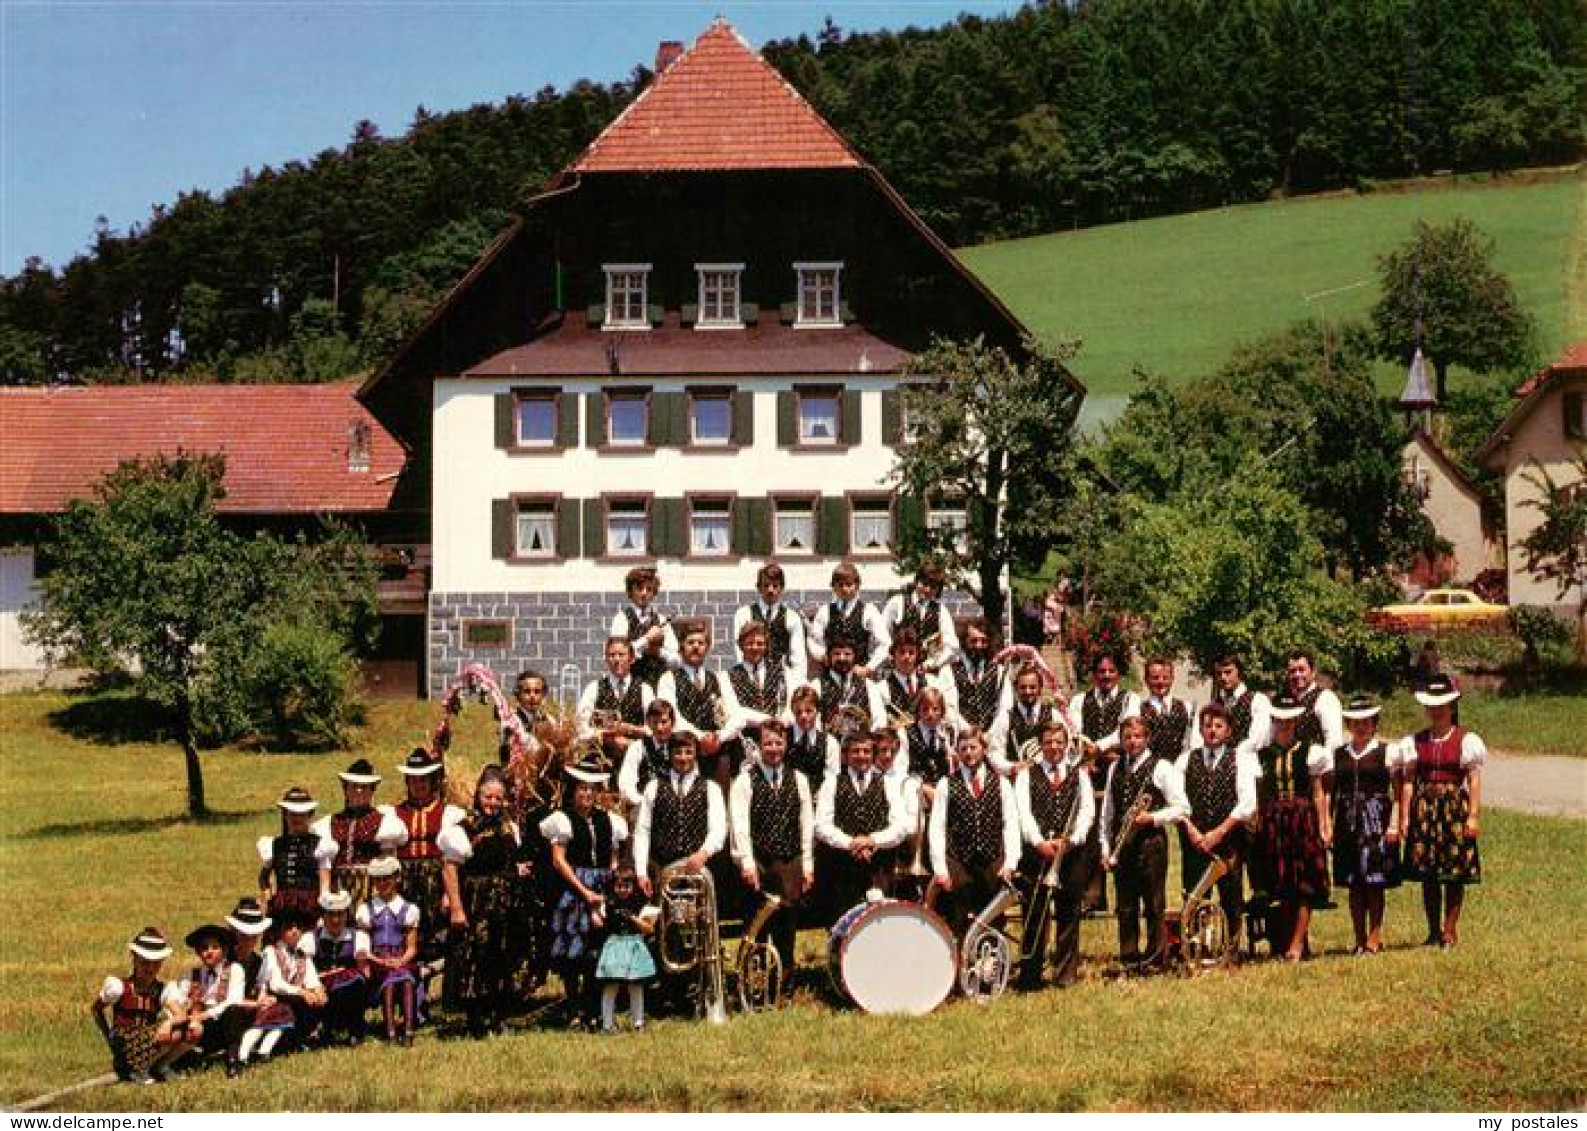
(690, 937)
(759, 966)
(986, 954)
(1205, 942)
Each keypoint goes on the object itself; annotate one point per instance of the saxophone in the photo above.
(689, 936)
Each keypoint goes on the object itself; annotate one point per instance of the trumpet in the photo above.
(690, 935)
(1127, 827)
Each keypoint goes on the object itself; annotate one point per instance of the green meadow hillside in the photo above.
(1175, 294)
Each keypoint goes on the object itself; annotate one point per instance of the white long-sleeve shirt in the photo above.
(732, 712)
(742, 830)
(1330, 716)
(669, 640)
(797, 664)
(1057, 773)
(1109, 741)
(1247, 769)
(715, 817)
(827, 831)
(288, 978)
(870, 617)
(391, 834)
(628, 773)
(1169, 784)
(585, 715)
(937, 826)
(893, 616)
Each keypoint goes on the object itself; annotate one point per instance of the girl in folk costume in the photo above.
(424, 813)
(1056, 812)
(655, 645)
(920, 608)
(859, 815)
(842, 691)
(1321, 721)
(973, 833)
(1249, 721)
(760, 686)
(1289, 863)
(647, 759)
(296, 866)
(360, 831)
(296, 996)
(704, 704)
(1137, 853)
(128, 1012)
(1220, 786)
(205, 1007)
(1440, 810)
(584, 842)
(847, 617)
(1100, 711)
(336, 946)
(391, 924)
(1020, 724)
(482, 861)
(1362, 821)
(625, 959)
(773, 833)
(900, 680)
(612, 708)
(786, 649)
(811, 749)
(1169, 720)
(682, 818)
(977, 690)
(248, 923)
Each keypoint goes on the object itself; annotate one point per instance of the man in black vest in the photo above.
(1056, 812)
(612, 708)
(848, 702)
(811, 748)
(1250, 712)
(705, 704)
(1220, 784)
(1138, 859)
(1100, 712)
(851, 618)
(974, 834)
(786, 648)
(682, 818)
(773, 835)
(977, 690)
(1169, 719)
(858, 816)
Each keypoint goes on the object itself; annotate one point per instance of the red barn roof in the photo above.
(1572, 360)
(287, 447)
(719, 106)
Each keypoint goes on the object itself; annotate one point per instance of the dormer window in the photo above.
(627, 296)
(819, 301)
(719, 296)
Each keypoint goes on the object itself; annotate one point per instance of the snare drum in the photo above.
(888, 956)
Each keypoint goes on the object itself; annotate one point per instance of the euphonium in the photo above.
(985, 956)
(759, 966)
(690, 936)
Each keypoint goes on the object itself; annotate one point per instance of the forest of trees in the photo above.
(1060, 115)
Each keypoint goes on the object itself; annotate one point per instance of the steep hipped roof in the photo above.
(719, 106)
(286, 446)
(1417, 392)
(1571, 364)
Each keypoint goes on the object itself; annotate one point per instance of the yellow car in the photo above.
(1440, 608)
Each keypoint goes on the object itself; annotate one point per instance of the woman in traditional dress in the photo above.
(1440, 809)
(1363, 826)
(482, 859)
(129, 1011)
(584, 842)
(1290, 864)
(295, 866)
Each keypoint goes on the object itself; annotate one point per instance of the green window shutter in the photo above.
(677, 412)
(567, 420)
(832, 525)
(501, 532)
(594, 528)
(749, 312)
(743, 417)
(690, 313)
(742, 535)
(669, 527)
(892, 417)
(567, 528)
(758, 523)
(910, 515)
(788, 312)
(849, 423)
(595, 418)
(506, 426)
(595, 315)
(787, 419)
(654, 313)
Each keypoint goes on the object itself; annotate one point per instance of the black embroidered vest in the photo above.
(860, 814)
(1166, 730)
(850, 627)
(1051, 805)
(679, 826)
(834, 698)
(292, 860)
(779, 641)
(1284, 773)
(807, 753)
(1213, 793)
(774, 816)
(590, 846)
(978, 698)
(1127, 787)
(767, 698)
(975, 824)
(646, 667)
(630, 707)
(927, 761)
(1020, 732)
(354, 834)
(1239, 709)
(1308, 728)
(698, 705)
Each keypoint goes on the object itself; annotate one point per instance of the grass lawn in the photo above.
(1175, 294)
(93, 846)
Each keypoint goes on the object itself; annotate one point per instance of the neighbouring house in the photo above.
(1450, 500)
(685, 351)
(1547, 428)
(294, 453)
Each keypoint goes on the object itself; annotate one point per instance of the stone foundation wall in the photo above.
(551, 630)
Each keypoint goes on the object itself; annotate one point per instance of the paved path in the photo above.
(1552, 786)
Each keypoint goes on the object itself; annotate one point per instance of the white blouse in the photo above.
(558, 828)
(455, 846)
(324, 850)
(1473, 752)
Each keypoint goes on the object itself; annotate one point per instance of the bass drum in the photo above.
(889, 956)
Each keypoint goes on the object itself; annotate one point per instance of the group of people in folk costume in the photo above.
(864, 749)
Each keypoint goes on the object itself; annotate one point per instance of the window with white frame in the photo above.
(719, 295)
(819, 302)
(711, 417)
(626, 528)
(627, 419)
(871, 525)
(948, 515)
(710, 528)
(536, 529)
(537, 420)
(794, 526)
(818, 417)
(626, 296)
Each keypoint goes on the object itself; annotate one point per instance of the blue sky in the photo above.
(110, 108)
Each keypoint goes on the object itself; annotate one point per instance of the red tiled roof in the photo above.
(286, 446)
(574, 350)
(720, 106)
(1574, 358)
